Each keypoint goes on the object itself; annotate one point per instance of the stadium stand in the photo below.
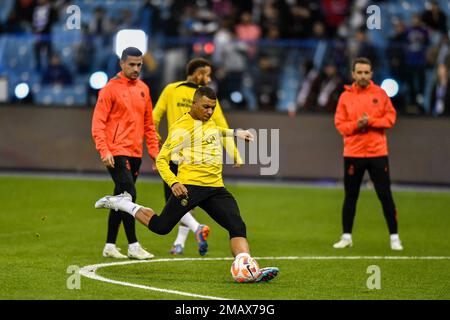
(190, 32)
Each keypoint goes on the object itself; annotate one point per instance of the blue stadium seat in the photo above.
(74, 95)
(62, 38)
(289, 82)
(17, 53)
(7, 5)
(3, 42)
(113, 6)
(81, 80)
(132, 5)
(445, 6)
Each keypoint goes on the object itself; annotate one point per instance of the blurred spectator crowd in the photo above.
(286, 55)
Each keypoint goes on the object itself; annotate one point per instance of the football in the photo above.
(244, 269)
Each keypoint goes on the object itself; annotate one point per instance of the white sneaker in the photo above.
(112, 202)
(113, 253)
(139, 253)
(396, 245)
(343, 243)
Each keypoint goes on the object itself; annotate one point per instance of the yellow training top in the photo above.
(176, 100)
(198, 148)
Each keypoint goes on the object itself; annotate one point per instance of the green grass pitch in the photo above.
(47, 225)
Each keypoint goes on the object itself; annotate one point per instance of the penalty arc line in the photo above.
(90, 271)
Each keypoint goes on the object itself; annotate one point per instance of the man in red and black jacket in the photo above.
(122, 118)
(363, 114)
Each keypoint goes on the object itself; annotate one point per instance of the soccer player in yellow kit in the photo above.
(174, 102)
(195, 139)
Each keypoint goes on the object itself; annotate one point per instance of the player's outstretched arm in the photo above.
(239, 133)
(244, 134)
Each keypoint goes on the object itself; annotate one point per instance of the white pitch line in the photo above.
(90, 271)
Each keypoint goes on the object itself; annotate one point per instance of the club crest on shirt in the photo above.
(210, 139)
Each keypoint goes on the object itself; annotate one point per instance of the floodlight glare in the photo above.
(98, 80)
(390, 86)
(130, 38)
(22, 90)
(236, 97)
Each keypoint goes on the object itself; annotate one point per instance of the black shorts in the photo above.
(216, 201)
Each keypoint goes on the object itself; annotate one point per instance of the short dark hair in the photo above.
(361, 60)
(196, 63)
(130, 51)
(205, 91)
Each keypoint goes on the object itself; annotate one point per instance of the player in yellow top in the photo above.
(195, 140)
(174, 102)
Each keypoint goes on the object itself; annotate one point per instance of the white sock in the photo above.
(347, 236)
(129, 207)
(133, 246)
(242, 254)
(183, 233)
(189, 220)
(110, 246)
(395, 237)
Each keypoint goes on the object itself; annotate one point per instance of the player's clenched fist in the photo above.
(179, 190)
